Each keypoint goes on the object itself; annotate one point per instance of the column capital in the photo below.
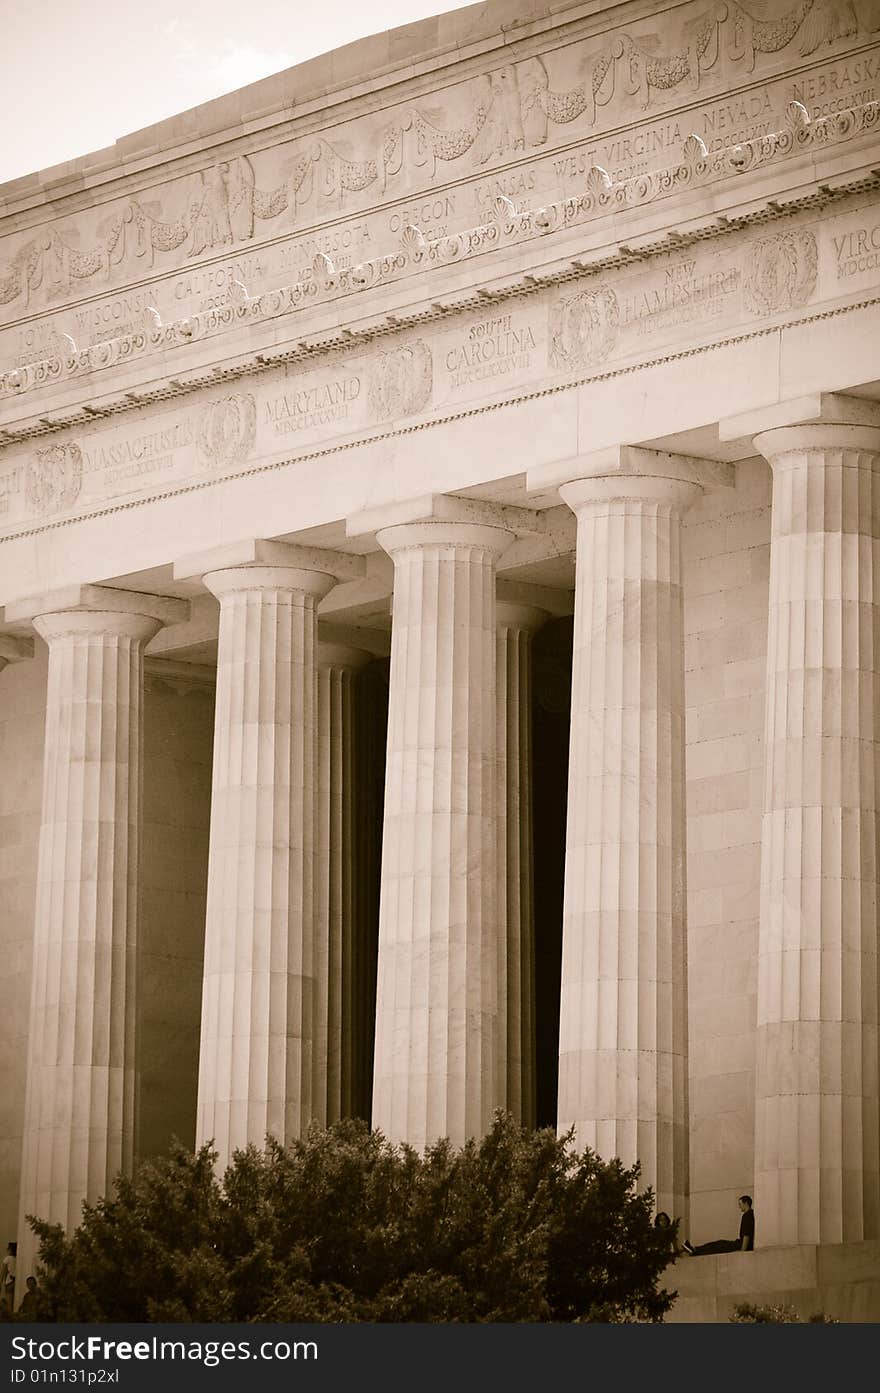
(528, 618)
(404, 536)
(257, 553)
(14, 650)
(92, 604)
(785, 442)
(299, 581)
(375, 643)
(816, 409)
(821, 421)
(553, 601)
(446, 508)
(341, 655)
(74, 623)
(629, 471)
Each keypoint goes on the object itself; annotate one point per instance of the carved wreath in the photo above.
(781, 273)
(228, 429)
(583, 328)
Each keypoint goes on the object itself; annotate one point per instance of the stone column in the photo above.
(516, 921)
(14, 650)
(623, 1009)
(255, 1062)
(79, 1128)
(436, 1011)
(336, 910)
(817, 1108)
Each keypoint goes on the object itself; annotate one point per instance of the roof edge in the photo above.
(365, 65)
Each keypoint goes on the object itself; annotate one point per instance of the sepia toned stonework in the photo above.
(340, 420)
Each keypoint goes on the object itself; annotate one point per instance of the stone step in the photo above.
(843, 1280)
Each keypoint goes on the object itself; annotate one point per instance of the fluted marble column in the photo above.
(335, 890)
(817, 1105)
(436, 1012)
(516, 919)
(256, 1065)
(623, 1012)
(79, 1128)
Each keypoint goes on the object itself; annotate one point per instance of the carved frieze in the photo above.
(646, 72)
(500, 348)
(476, 125)
(507, 224)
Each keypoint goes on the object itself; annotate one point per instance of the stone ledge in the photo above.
(843, 1280)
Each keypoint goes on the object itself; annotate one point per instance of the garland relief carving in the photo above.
(474, 126)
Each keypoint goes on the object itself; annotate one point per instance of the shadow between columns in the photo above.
(371, 733)
(551, 717)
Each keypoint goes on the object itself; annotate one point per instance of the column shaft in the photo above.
(336, 907)
(256, 1066)
(817, 1105)
(436, 994)
(80, 1095)
(623, 1023)
(516, 919)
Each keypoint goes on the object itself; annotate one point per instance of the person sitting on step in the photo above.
(744, 1244)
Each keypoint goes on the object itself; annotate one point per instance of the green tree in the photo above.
(344, 1226)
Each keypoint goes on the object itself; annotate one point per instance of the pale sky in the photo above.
(77, 74)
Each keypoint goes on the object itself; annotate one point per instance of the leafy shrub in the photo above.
(344, 1226)
(748, 1314)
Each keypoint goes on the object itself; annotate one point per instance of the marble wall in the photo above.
(178, 742)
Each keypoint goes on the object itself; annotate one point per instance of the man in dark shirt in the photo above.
(27, 1309)
(744, 1244)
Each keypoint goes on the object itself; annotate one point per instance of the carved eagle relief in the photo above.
(53, 478)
